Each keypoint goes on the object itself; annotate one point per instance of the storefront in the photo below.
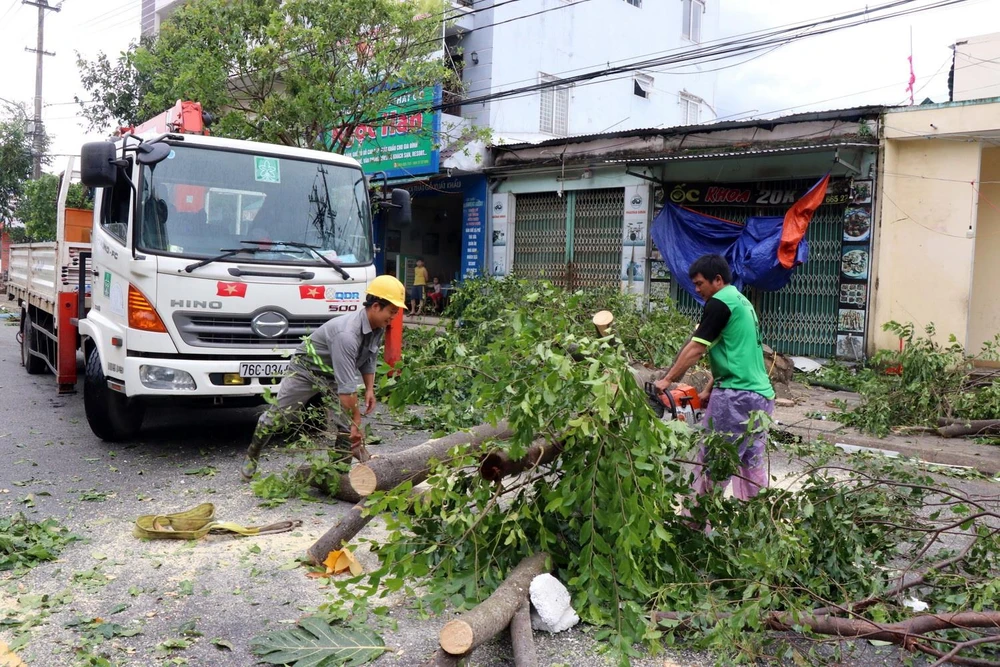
(587, 232)
(449, 224)
(577, 211)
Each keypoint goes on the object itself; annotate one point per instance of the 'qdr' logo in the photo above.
(334, 295)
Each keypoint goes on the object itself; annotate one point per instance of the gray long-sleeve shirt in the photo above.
(349, 345)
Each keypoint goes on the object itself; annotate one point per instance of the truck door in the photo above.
(111, 270)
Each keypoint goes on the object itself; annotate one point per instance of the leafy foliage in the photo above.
(15, 161)
(286, 72)
(615, 510)
(37, 207)
(316, 642)
(25, 544)
(917, 385)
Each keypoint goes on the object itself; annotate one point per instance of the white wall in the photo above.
(584, 39)
(977, 75)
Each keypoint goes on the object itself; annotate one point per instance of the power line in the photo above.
(725, 49)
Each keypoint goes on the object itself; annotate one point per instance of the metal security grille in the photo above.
(540, 237)
(801, 318)
(597, 237)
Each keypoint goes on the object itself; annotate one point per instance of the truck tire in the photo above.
(112, 416)
(29, 343)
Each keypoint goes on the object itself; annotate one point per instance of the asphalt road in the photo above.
(231, 589)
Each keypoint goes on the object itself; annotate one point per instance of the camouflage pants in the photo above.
(290, 411)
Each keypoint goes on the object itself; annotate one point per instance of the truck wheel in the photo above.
(29, 343)
(112, 416)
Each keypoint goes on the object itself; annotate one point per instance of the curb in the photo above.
(957, 452)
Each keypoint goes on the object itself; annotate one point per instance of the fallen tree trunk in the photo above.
(345, 530)
(497, 465)
(970, 427)
(521, 637)
(908, 634)
(386, 472)
(465, 633)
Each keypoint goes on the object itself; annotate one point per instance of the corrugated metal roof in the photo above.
(813, 148)
(848, 114)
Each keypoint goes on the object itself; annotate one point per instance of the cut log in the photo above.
(603, 321)
(342, 533)
(972, 427)
(471, 629)
(695, 377)
(386, 472)
(498, 464)
(342, 490)
(346, 529)
(521, 637)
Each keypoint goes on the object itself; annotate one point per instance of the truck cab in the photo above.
(211, 259)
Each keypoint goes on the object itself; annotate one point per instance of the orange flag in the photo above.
(797, 221)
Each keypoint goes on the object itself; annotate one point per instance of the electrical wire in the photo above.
(726, 49)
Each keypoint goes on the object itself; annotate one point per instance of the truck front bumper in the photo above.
(190, 378)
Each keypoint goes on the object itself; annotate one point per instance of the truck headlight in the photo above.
(160, 377)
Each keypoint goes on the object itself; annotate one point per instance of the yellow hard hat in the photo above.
(390, 289)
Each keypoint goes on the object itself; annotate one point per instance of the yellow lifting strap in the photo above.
(198, 522)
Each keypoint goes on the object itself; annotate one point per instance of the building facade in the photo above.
(578, 211)
(497, 46)
(938, 245)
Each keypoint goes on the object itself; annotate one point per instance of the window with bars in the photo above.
(634, 3)
(554, 114)
(690, 109)
(642, 86)
(691, 25)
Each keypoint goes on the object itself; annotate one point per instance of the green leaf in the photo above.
(316, 642)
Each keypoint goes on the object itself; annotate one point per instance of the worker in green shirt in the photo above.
(730, 333)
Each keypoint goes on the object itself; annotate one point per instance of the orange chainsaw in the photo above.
(680, 402)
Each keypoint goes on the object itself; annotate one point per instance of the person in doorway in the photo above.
(420, 277)
(436, 295)
(730, 333)
(345, 347)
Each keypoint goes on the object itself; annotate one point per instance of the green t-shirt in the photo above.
(730, 330)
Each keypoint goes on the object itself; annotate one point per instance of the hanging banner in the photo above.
(405, 142)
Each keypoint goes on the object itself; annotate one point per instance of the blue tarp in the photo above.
(682, 236)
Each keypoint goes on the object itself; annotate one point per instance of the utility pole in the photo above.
(40, 52)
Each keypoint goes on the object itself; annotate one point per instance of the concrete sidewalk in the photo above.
(926, 447)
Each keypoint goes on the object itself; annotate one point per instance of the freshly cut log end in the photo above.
(457, 637)
(363, 480)
(602, 321)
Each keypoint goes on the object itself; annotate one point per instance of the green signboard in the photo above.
(405, 143)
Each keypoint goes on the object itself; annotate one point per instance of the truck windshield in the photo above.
(199, 201)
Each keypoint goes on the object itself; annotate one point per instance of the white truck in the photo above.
(208, 261)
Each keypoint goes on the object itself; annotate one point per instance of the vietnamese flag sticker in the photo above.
(312, 292)
(231, 289)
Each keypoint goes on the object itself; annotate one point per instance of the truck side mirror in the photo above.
(97, 164)
(398, 208)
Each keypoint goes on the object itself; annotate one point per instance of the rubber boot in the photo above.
(249, 466)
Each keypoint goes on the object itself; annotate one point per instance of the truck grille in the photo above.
(206, 330)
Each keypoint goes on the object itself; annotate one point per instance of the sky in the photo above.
(864, 65)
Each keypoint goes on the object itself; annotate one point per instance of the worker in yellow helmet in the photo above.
(344, 348)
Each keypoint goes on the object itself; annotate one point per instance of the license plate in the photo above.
(263, 369)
